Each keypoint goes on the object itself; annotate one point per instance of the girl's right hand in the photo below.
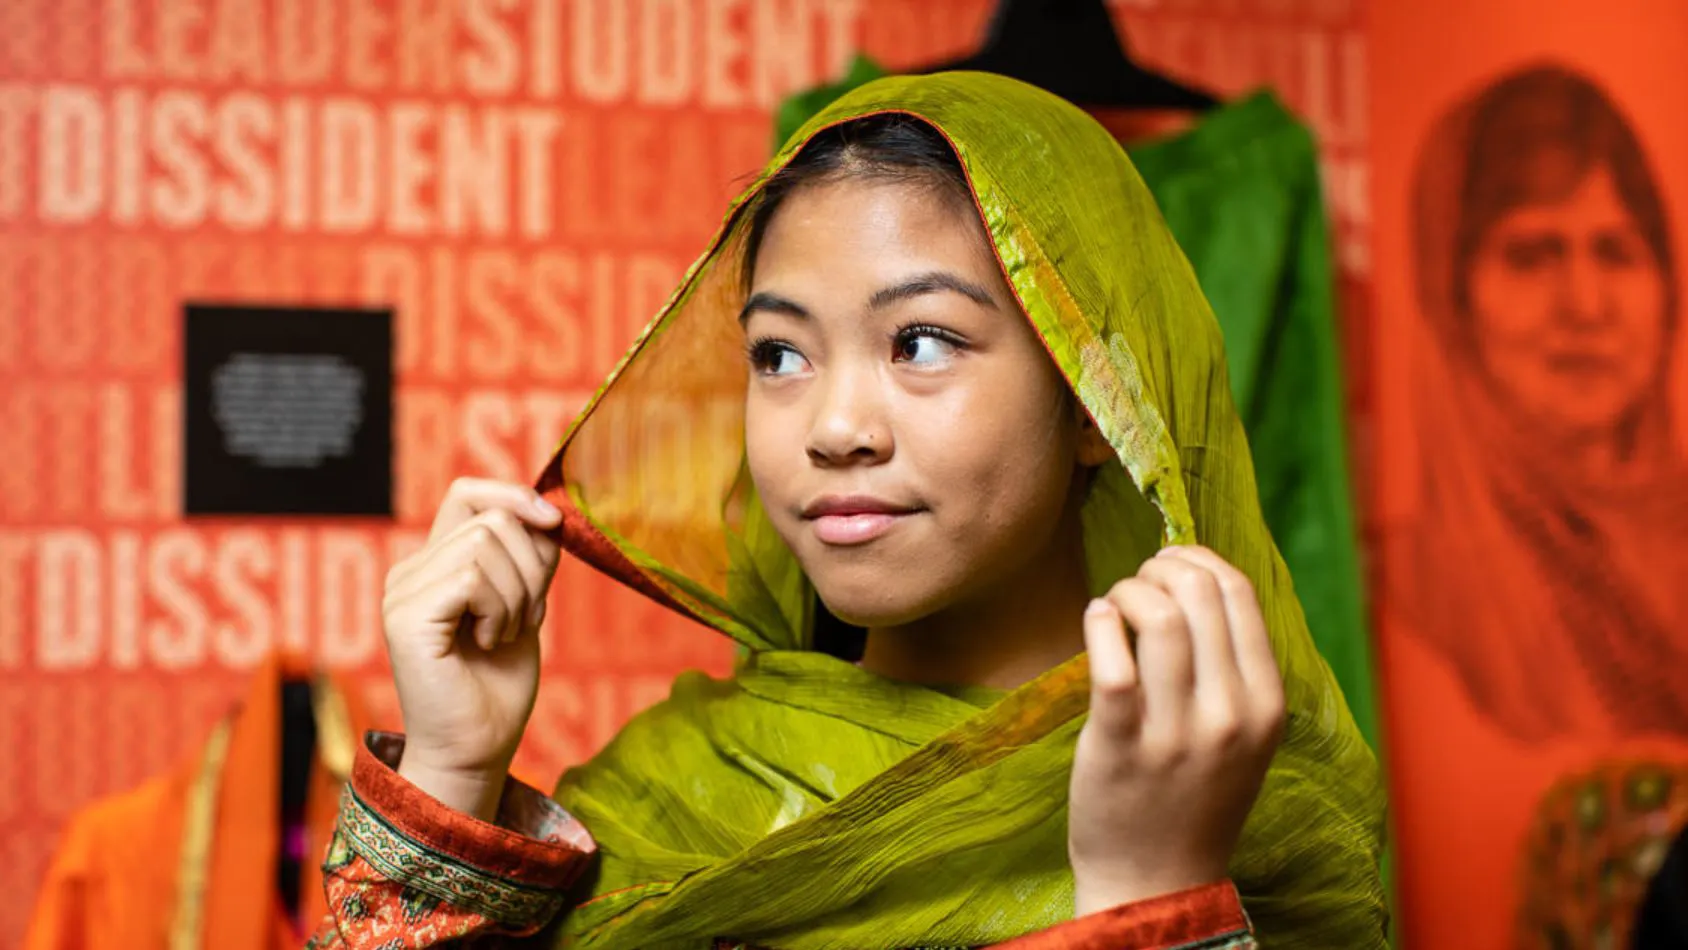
(462, 617)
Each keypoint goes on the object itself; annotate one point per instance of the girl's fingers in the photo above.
(476, 608)
(1196, 591)
(477, 551)
(469, 497)
(534, 555)
(1164, 658)
(1115, 700)
(1250, 639)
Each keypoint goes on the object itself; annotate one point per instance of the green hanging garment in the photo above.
(1241, 193)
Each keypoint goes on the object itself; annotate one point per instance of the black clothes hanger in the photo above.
(1072, 49)
(298, 752)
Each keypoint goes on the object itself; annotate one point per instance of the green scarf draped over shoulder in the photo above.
(805, 803)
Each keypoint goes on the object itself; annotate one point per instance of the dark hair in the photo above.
(1535, 136)
(893, 147)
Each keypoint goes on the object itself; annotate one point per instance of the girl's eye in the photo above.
(924, 346)
(773, 358)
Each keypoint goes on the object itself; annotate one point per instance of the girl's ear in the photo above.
(1093, 447)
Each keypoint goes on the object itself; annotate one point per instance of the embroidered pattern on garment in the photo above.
(382, 914)
(397, 857)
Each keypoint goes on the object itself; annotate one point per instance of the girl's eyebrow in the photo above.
(931, 282)
(764, 301)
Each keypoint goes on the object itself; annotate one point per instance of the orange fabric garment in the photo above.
(114, 881)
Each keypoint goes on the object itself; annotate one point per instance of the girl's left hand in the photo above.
(1181, 729)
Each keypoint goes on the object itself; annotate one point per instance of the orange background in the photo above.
(1463, 791)
(624, 127)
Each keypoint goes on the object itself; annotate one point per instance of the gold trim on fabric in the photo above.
(193, 870)
(336, 740)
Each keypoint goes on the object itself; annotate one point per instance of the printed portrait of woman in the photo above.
(1549, 563)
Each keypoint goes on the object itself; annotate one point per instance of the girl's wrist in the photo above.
(1096, 890)
(475, 794)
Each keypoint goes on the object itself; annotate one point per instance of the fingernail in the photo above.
(1163, 552)
(545, 508)
(536, 614)
(1096, 608)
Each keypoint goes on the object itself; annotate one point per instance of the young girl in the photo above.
(944, 388)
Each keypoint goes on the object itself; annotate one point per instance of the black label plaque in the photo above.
(288, 410)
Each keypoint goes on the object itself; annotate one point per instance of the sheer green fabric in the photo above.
(805, 803)
(1241, 193)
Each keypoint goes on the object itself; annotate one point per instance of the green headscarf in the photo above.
(806, 803)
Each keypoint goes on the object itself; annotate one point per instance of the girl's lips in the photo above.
(844, 530)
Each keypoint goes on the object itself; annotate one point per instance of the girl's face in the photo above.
(1568, 306)
(908, 434)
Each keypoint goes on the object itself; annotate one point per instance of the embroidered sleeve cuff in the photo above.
(1208, 918)
(515, 871)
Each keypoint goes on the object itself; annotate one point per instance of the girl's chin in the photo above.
(884, 602)
(882, 586)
